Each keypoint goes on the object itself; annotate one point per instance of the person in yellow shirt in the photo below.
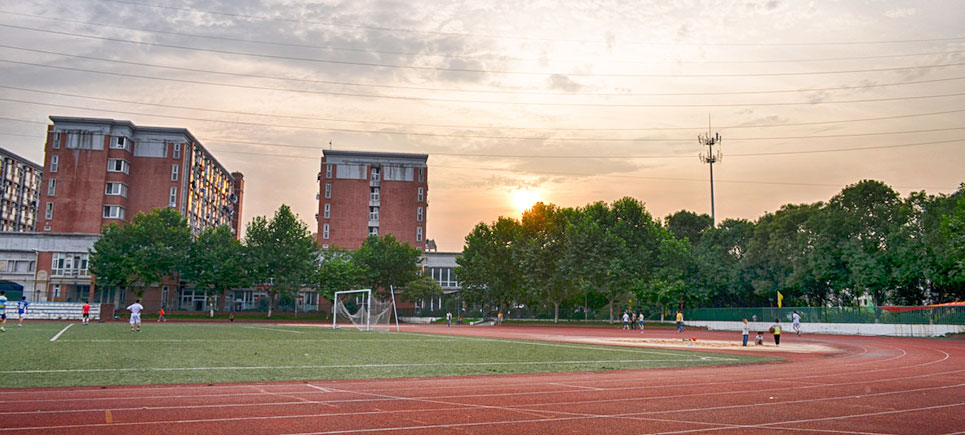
(680, 321)
(776, 330)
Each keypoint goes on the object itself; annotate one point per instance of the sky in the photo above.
(565, 102)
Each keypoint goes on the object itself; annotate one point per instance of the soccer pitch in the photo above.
(173, 353)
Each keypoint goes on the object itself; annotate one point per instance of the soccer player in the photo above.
(160, 316)
(796, 323)
(86, 313)
(21, 310)
(135, 310)
(3, 310)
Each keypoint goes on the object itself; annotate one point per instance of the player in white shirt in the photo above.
(135, 310)
(796, 322)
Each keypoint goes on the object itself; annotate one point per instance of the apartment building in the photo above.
(371, 193)
(100, 171)
(20, 193)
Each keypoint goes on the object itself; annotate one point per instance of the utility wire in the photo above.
(473, 57)
(480, 71)
(467, 136)
(446, 100)
(522, 38)
(485, 91)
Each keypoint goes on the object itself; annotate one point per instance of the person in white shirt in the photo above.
(626, 321)
(135, 310)
(746, 331)
(796, 322)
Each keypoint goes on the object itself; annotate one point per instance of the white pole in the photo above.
(394, 311)
(368, 314)
(334, 309)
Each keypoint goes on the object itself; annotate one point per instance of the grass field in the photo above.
(108, 354)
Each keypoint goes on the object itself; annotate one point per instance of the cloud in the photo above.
(564, 83)
(901, 12)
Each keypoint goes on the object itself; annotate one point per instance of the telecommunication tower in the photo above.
(711, 139)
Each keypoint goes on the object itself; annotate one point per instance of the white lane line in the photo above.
(61, 332)
(273, 329)
(324, 390)
(346, 366)
(576, 386)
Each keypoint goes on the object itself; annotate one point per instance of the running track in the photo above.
(871, 385)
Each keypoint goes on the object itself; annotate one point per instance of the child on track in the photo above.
(796, 323)
(3, 310)
(745, 331)
(640, 321)
(776, 330)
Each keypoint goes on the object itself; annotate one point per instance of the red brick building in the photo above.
(99, 171)
(369, 193)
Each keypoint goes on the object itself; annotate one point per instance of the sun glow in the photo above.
(523, 199)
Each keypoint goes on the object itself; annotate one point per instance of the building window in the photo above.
(119, 143)
(118, 165)
(328, 191)
(373, 231)
(418, 234)
(373, 213)
(54, 161)
(52, 187)
(173, 199)
(418, 214)
(174, 172)
(115, 189)
(56, 290)
(56, 141)
(374, 194)
(177, 151)
(325, 231)
(375, 174)
(164, 296)
(69, 264)
(422, 195)
(328, 171)
(328, 211)
(49, 214)
(113, 212)
(422, 174)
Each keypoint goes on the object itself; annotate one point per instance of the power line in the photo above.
(464, 136)
(233, 112)
(486, 91)
(480, 71)
(396, 97)
(524, 38)
(458, 56)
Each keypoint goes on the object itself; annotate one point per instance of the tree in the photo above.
(688, 225)
(487, 268)
(283, 252)
(953, 231)
(542, 254)
(387, 262)
(722, 261)
(218, 263)
(337, 271)
(423, 287)
(140, 254)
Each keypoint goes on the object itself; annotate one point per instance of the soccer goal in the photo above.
(361, 310)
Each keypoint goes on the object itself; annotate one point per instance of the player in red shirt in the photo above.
(86, 313)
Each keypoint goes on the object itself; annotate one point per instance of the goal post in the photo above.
(366, 312)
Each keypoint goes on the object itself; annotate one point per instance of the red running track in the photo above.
(877, 385)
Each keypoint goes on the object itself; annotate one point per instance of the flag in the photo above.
(780, 298)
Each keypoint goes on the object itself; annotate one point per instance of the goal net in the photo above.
(363, 311)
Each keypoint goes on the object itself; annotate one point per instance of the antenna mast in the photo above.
(711, 139)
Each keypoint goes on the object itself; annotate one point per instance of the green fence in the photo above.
(938, 316)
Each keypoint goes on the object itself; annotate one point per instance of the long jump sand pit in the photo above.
(697, 344)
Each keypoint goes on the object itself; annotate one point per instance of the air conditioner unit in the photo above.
(46, 227)
(172, 205)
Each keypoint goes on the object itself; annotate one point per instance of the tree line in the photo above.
(278, 255)
(865, 241)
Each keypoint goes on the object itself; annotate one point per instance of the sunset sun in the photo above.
(523, 199)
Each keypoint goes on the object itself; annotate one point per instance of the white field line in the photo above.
(61, 332)
(273, 329)
(343, 366)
